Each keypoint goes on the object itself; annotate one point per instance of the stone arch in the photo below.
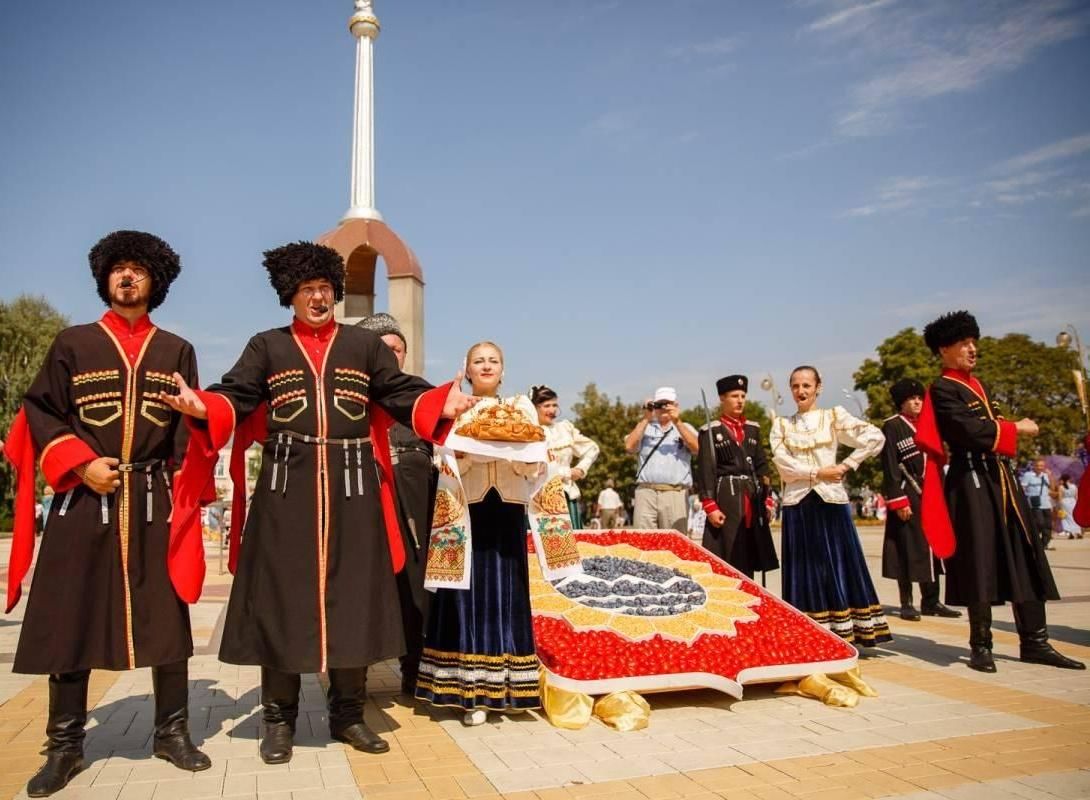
(360, 242)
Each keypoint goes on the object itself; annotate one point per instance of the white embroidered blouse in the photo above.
(565, 444)
(513, 480)
(804, 443)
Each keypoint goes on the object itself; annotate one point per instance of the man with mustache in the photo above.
(315, 587)
(102, 596)
(978, 519)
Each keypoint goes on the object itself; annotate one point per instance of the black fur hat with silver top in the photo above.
(950, 329)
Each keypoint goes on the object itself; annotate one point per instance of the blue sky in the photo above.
(634, 193)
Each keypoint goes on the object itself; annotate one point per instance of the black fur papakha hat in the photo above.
(732, 383)
(297, 262)
(950, 329)
(904, 389)
(150, 252)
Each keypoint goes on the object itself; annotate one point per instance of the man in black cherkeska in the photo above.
(416, 479)
(906, 555)
(102, 596)
(315, 587)
(732, 478)
(978, 518)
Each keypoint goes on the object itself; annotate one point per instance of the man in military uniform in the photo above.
(732, 477)
(315, 587)
(415, 479)
(978, 519)
(906, 556)
(102, 596)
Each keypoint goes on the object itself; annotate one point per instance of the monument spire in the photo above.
(363, 237)
(364, 26)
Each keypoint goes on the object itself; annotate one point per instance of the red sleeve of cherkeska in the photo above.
(221, 418)
(897, 503)
(1006, 438)
(428, 422)
(60, 457)
(253, 429)
(380, 447)
(710, 506)
(19, 450)
(934, 515)
(194, 486)
(192, 483)
(1081, 512)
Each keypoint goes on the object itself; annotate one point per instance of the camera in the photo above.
(658, 405)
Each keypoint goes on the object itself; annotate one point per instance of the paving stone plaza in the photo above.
(937, 729)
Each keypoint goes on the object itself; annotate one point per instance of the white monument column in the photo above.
(364, 26)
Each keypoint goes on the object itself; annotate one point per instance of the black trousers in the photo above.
(1030, 620)
(347, 692)
(929, 593)
(65, 727)
(1042, 518)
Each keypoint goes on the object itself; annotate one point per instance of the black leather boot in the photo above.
(929, 602)
(980, 637)
(908, 611)
(172, 743)
(280, 709)
(347, 690)
(65, 730)
(1033, 645)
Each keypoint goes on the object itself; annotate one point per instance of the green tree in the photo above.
(1032, 379)
(607, 422)
(902, 355)
(27, 328)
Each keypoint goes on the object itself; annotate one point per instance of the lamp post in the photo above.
(770, 386)
(1069, 337)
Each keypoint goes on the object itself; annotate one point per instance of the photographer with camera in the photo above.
(663, 444)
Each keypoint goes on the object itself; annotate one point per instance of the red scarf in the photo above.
(737, 427)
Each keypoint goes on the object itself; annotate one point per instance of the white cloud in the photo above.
(1024, 180)
(896, 194)
(851, 14)
(1080, 213)
(1068, 148)
(929, 48)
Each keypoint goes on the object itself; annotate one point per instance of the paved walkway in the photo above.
(937, 730)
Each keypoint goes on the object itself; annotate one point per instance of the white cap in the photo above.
(666, 393)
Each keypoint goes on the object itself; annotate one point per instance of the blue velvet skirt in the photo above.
(825, 574)
(479, 643)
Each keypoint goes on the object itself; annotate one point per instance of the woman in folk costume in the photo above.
(315, 587)
(566, 444)
(1069, 495)
(824, 572)
(479, 644)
